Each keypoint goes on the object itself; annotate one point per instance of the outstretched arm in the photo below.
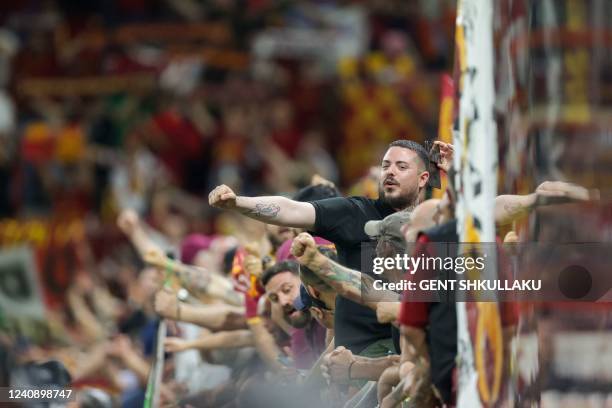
(214, 317)
(511, 207)
(211, 341)
(130, 224)
(198, 281)
(270, 209)
(348, 283)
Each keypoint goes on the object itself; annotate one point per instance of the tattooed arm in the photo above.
(348, 283)
(198, 281)
(510, 207)
(272, 209)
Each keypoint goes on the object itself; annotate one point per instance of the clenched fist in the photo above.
(222, 197)
(175, 344)
(166, 304)
(304, 248)
(155, 258)
(128, 221)
(335, 367)
(252, 265)
(559, 192)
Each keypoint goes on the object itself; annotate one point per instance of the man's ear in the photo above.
(316, 312)
(423, 179)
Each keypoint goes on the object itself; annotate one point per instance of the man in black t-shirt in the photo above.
(340, 220)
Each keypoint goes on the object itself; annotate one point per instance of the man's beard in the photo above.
(400, 202)
(300, 320)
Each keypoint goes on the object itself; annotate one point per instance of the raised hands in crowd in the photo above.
(291, 302)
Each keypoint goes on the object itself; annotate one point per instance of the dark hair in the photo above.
(283, 266)
(415, 147)
(313, 193)
(228, 260)
(310, 301)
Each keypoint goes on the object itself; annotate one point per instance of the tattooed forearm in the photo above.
(514, 209)
(344, 280)
(201, 282)
(193, 280)
(263, 211)
(510, 207)
(368, 284)
(348, 283)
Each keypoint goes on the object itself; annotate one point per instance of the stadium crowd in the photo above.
(240, 299)
(277, 313)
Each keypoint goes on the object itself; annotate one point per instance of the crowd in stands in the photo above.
(233, 195)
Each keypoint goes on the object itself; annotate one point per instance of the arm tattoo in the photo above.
(368, 284)
(199, 281)
(347, 282)
(347, 279)
(264, 211)
(193, 280)
(513, 209)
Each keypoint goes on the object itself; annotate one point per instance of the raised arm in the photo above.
(130, 224)
(198, 281)
(270, 209)
(346, 282)
(510, 207)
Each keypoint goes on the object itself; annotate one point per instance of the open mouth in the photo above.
(390, 187)
(390, 183)
(289, 311)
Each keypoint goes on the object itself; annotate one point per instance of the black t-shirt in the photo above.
(341, 221)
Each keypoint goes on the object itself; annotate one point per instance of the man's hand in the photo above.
(166, 304)
(335, 366)
(446, 155)
(128, 221)
(252, 262)
(387, 312)
(222, 197)
(559, 192)
(175, 344)
(304, 248)
(317, 180)
(119, 347)
(417, 385)
(155, 258)
(388, 379)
